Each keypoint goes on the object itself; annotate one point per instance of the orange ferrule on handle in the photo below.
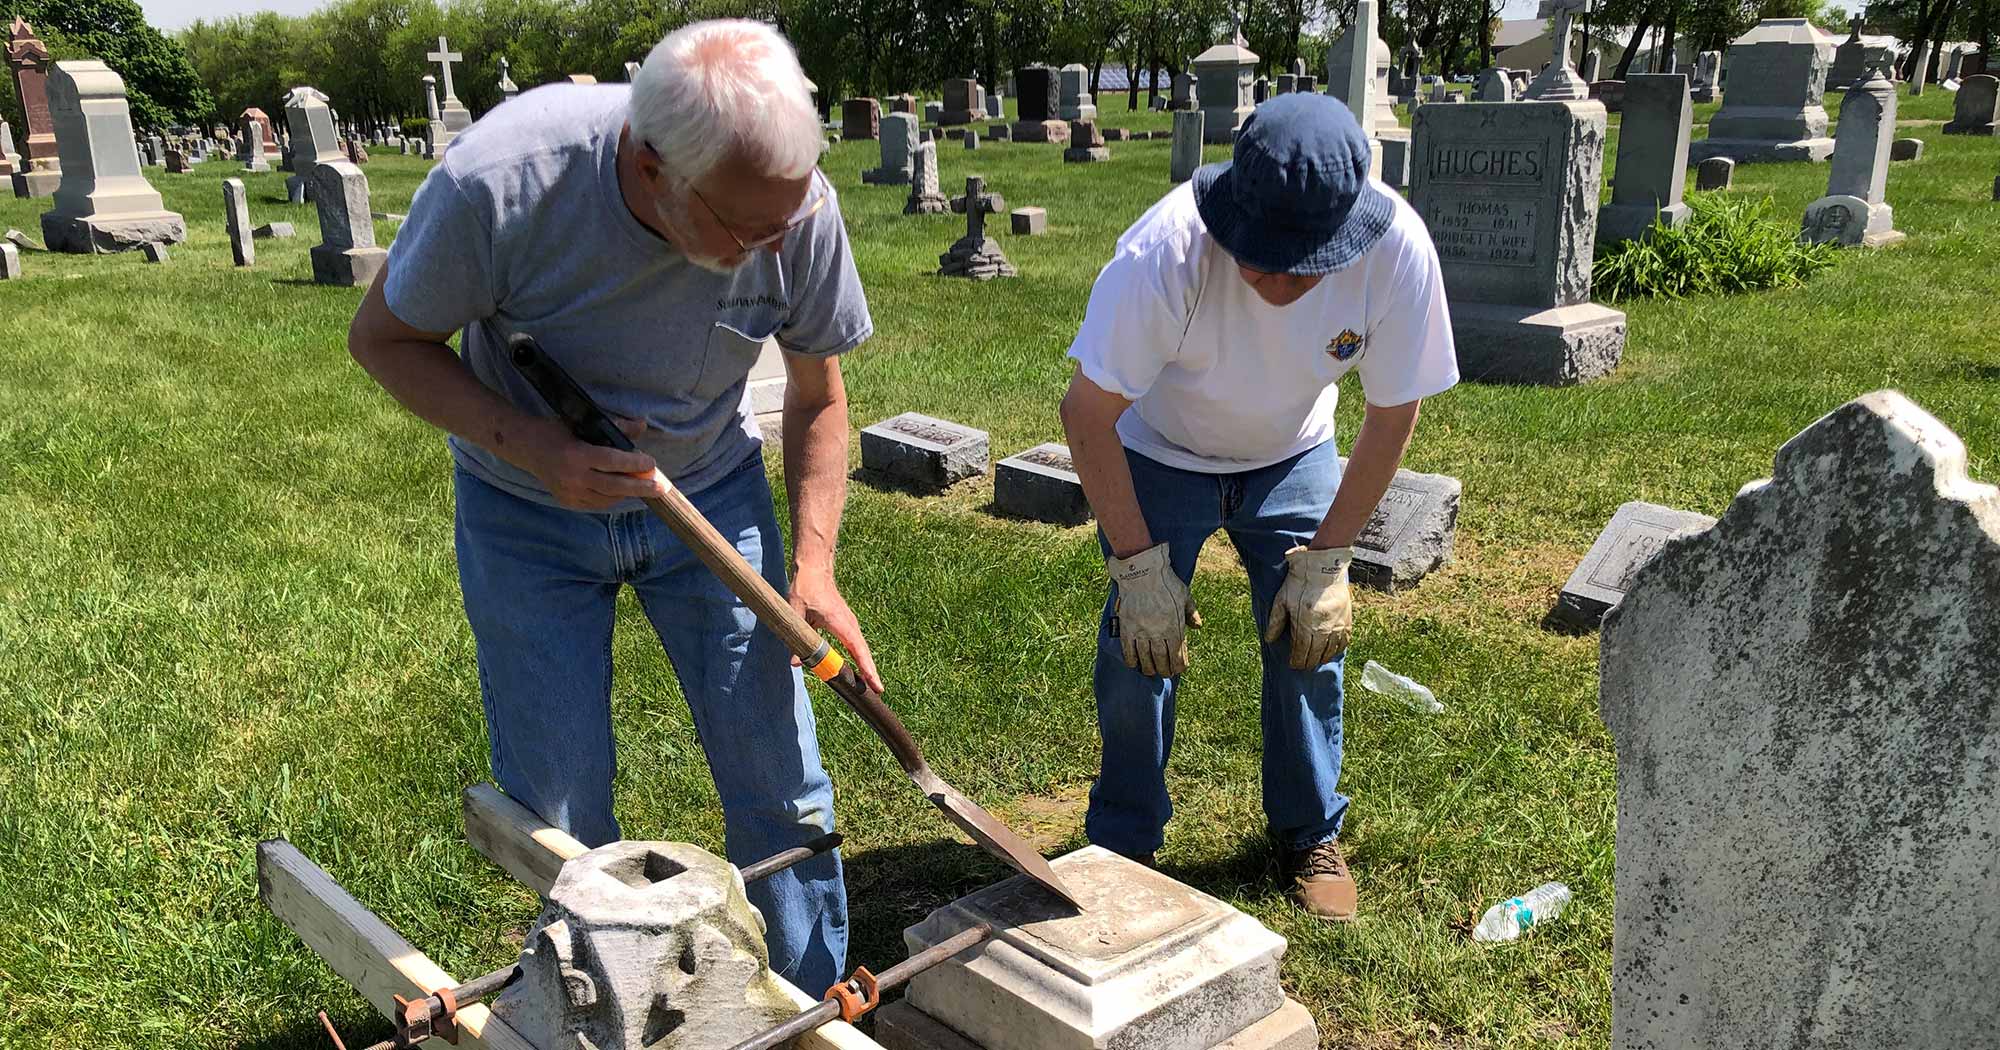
(855, 996)
(827, 666)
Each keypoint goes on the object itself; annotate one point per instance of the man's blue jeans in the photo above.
(540, 585)
(1265, 513)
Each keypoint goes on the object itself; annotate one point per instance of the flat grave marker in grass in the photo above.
(1410, 534)
(1041, 484)
(1635, 533)
(923, 451)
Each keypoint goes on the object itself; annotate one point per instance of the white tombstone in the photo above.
(1773, 110)
(347, 253)
(1224, 76)
(1808, 749)
(1854, 211)
(104, 203)
(1560, 81)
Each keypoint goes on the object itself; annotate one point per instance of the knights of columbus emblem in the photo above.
(1344, 345)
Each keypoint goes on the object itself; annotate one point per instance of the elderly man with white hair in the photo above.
(651, 238)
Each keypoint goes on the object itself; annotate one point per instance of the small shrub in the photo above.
(1727, 245)
(414, 127)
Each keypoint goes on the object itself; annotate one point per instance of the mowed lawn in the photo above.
(228, 611)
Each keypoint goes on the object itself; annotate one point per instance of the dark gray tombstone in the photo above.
(1636, 533)
(923, 451)
(1715, 173)
(1646, 187)
(1410, 534)
(1040, 484)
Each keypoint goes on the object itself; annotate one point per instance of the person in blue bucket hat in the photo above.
(1207, 371)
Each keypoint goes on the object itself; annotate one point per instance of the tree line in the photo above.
(368, 55)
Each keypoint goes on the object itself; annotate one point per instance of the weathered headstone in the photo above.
(153, 252)
(236, 216)
(925, 196)
(904, 103)
(964, 101)
(923, 451)
(1773, 111)
(10, 159)
(1560, 81)
(1186, 155)
(1260, 90)
(177, 162)
(1287, 83)
(898, 132)
(1151, 963)
(1036, 106)
(1510, 193)
(1853, 212)
(1707, 77)
(1028, 221)
(28, 59)
(860, 119)
(1849, 60)
(1976, 110)
(933, 110)
(1905, 149)
(274, 231)
(636, 941)
(1809, 754)
(314, 140)
(1367, 92)
(1593, 61)
(1223, 75)
(1954, 57)
(347, 254)
(10, 262)
(1636, 532)
(1040, 485)
(1652, 158)
(1493, 85)
(1410, 535)
(996, 106)
(104, 204)
(1073, 83)
(1186, 95)
(1086, 145)
(1715, 173)
(971, 138)
(259, 145)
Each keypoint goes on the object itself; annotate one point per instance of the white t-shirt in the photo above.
(1222, 381)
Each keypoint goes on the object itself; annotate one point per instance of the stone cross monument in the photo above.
(976, 255)
(508, 89)
(453, 112)
(1560, 82)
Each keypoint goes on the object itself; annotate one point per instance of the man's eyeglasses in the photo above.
(816, 197)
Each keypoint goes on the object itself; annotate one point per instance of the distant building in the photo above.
(1527, 43)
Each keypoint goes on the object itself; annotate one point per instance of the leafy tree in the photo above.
(160, 82)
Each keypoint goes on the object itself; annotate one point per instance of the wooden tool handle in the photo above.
(589, 423)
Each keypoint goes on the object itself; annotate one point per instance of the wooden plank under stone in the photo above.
(360, 947)
(533, 851)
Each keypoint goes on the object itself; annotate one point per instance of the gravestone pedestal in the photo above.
(1773, 110)
(636, 940)
(1510, 193)
(104, 204)
(1151, 964)
(40, 180)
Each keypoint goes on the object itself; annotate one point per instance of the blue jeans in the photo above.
(1265, 513)
(540, 587)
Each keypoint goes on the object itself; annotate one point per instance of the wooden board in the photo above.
(360, 947)
(533, 851)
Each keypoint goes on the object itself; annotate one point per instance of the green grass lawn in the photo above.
(228, 610)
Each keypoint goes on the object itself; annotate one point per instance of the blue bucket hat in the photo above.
(1296, 198)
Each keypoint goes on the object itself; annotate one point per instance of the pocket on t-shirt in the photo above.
(729, 357)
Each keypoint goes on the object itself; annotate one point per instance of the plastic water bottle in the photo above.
(1511, 918)
(1378, 679)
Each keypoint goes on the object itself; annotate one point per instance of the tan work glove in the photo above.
(1152, 614)
(1314, 602)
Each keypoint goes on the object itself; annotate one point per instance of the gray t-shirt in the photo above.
(522, 228)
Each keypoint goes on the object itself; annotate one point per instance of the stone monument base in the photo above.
(352, 267)
(1850, 222)
(980, 260)
(1547, 346)
(1078, 112)
(257, 164)
(1702, 93)
(36, 183)
(1396, 154)
(1629, 222)
(1041, 131)
(926, 204)
(900, 1026)
(1761, 151)
(1085, 154)
(885, 177)
(104, 234)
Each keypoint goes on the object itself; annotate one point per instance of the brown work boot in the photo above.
(1321, 883)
